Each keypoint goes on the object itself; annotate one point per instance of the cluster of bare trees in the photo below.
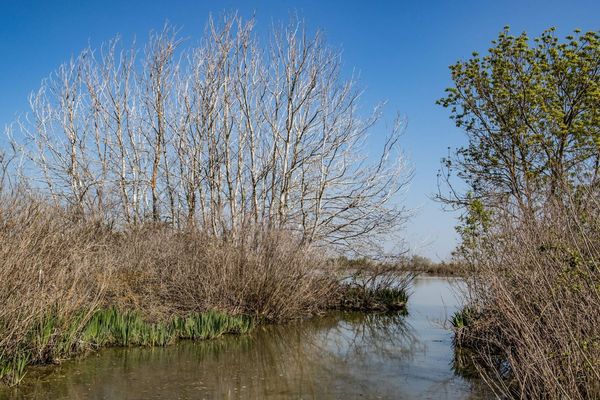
(223, 135)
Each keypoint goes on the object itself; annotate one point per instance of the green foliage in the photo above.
(112, 327)
(12, 369)
(115, 328)
(394, 298)
(473, 227)
(463, 323)
(530, 110)
(462, 318)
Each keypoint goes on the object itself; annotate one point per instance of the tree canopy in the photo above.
(530, 109)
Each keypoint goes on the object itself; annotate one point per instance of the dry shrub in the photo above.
(270, 277)
(56, 269)
(534, 317)
(49, 263)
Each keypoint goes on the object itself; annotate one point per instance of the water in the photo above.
(341, 356)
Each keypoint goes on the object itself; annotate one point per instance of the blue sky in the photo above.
(402, 50)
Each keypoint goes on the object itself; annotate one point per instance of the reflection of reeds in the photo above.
(463, 363)
(383, 334)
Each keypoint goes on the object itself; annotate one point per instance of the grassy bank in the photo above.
(69, 285)
(52, 339)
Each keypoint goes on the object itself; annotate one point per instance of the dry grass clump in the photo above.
(269, 277)
(372, 286)
(534, 322)
(49, 263)
(57, 272)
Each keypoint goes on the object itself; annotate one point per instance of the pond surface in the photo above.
(341, 356)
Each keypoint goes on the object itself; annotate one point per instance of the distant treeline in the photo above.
(415, 263)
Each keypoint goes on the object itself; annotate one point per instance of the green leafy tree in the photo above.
(531, 112)
(473, 230)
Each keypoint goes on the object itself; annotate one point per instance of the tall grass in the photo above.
(111, 327)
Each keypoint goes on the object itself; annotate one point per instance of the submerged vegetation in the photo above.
(531, 224)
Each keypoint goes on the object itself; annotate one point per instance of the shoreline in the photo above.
(112, 327)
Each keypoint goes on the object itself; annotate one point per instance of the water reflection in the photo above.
(349, 355)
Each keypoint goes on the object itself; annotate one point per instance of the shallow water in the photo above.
(341, 356)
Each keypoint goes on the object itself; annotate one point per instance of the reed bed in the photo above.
(369, 285)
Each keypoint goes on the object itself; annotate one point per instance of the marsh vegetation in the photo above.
(337, 355)
(188, 189)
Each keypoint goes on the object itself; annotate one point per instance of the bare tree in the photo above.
(6, 159)
(227, 136)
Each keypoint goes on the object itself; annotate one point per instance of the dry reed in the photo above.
(532, 321)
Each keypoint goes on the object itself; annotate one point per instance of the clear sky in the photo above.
(402, 50)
